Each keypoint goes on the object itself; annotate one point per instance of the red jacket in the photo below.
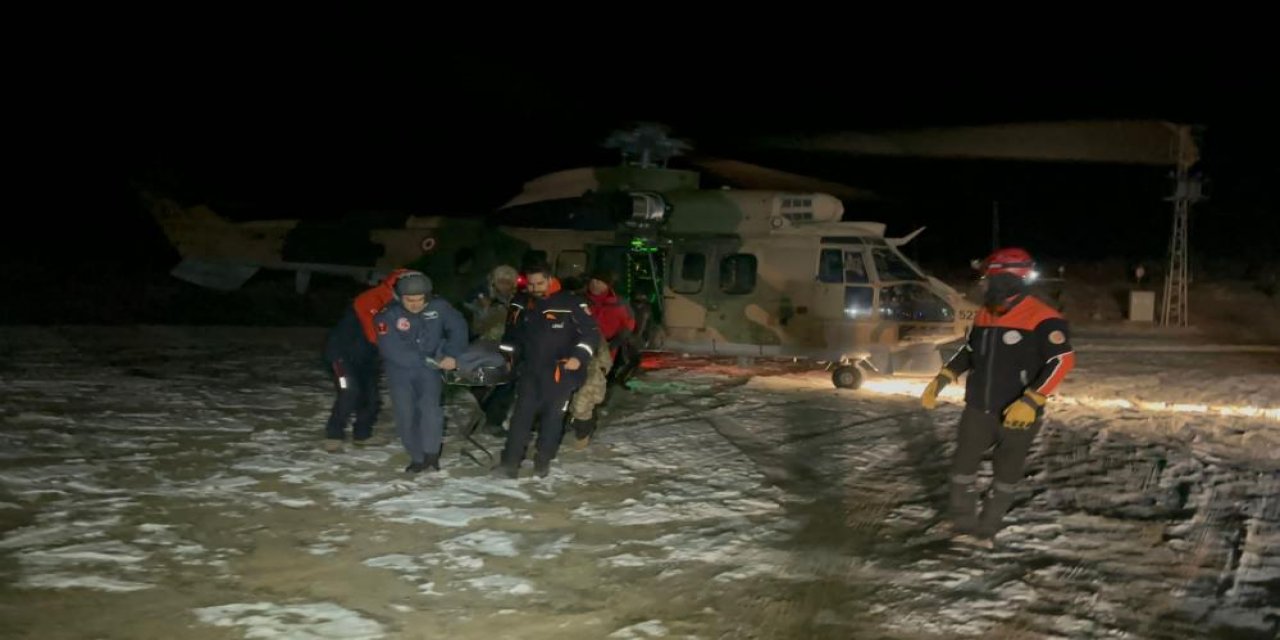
(611, 315)
(369, 303)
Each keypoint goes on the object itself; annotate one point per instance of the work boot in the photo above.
(582, 429)
(962, 507)
(993, 510)
(415, 467)
(542, 467)
(333, 445)
(433, 462)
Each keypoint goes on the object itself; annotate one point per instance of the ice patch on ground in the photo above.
(70, 581)
(500, 584)
(113, 552)
(301, 621)
(646, 629)
(442, 516)
(552, 549)
(486, 541)
(440, 505)
(663, 508)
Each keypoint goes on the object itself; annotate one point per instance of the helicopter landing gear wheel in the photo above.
(847, 377)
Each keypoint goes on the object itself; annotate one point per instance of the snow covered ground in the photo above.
(168, 482)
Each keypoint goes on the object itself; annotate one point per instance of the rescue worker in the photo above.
(616, 323)
(1016, 354)
(488, 304)
(352, 355)
(419, 338)
(550, 340)
(353, 362)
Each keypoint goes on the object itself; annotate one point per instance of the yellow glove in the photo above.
(1024, 411)
(929, 399)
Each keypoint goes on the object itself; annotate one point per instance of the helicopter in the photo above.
(772, 272)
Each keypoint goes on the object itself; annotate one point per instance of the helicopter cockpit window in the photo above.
(892, 267)
(855, 268)
(914, 302)
(830, 266)
(738, 274)
(690, 272)
(571, 263)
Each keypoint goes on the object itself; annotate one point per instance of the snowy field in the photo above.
(168, 483)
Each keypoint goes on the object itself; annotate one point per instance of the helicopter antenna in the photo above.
(646, 145)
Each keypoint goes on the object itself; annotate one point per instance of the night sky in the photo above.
(307, 134)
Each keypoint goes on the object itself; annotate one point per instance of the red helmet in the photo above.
(1009, 260)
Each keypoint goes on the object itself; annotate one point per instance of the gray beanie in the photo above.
(413, 283)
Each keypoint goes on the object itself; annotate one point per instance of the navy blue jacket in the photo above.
(346, 342)
(406, 339)
(540, 333)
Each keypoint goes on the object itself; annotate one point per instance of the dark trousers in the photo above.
(545, 401)
(416, 399)
(979, 432)
(359, 397)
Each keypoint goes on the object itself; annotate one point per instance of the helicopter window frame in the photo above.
(856, 275)
(581, 263)
(730, 265)
(682, 283)
(830, 272)
(884, 257)
(914, 302)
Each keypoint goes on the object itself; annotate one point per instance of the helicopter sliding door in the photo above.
(685, 292)
(845, 295)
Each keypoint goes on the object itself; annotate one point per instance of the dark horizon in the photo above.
(461, 136)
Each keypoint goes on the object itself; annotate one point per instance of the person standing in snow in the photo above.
(352, 355)
(419, 338)
(1016, 354)
(550, 340)
(616, 324)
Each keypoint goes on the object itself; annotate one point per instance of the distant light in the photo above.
(1033, 276)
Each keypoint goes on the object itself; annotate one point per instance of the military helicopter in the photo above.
(754, 273)
(772, 273)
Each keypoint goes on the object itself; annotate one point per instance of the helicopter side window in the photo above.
(830, 265)
(892, 266)
(612, 258)
(857, 302)
(855, 268)
(738, 274)
(570, 264)
(690, 274)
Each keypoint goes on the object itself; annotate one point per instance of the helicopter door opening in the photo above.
(845, 297)
(844, 284)
(685, 293)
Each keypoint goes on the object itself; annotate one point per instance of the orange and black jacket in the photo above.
(1025, 349)
(542, 333)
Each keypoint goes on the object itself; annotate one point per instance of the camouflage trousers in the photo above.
(592, 392)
